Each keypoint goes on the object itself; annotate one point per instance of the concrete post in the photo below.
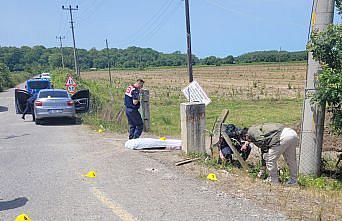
(193, 127)
(145, 109)
(313, 114)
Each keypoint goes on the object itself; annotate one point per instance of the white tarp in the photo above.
(150, 143)
(196, 93)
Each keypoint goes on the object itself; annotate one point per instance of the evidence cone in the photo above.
(212, 177)
(23, 217)
(90, 174)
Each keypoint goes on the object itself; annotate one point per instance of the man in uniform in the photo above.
(275, 140)
(132, 103)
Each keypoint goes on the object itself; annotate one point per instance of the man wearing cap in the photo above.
(132, 103)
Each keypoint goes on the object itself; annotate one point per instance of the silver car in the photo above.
(54, 103)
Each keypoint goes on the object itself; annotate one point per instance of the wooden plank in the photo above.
(154, 150)
(235, 151)
(218, 125)
(187, 161)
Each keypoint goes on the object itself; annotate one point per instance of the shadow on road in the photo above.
(60, 122)
(3, 109)
(12, 204)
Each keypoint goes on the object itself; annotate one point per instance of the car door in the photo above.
(81, 99)
(20, 98)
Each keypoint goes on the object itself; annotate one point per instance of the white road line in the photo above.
(116, 208)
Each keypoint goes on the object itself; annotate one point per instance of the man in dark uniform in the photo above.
(30, 106)
(132, 103)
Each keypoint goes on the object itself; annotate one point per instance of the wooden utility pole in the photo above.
(109, 64)
(73, 37)
(313, 114)
(61, 48)
(188, 37)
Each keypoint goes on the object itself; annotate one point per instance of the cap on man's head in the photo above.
(140, 81)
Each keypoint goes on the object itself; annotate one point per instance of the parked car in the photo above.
(54, 103)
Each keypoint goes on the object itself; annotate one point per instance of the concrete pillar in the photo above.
(313, 114)
(193, 127)
(145, 109)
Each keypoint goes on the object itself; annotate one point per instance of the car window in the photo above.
(38, 84)
(53, 94)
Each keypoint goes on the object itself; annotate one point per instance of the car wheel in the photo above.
(38, 122)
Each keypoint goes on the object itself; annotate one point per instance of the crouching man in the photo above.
(275, 140)
(132, 103)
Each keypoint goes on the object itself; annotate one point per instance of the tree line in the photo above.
(40, 58)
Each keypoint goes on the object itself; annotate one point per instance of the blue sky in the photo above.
(219, 27)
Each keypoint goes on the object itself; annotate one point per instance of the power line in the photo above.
(162, 22)
(150, 24)
(73, 36)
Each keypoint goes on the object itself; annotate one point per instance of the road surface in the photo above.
(41, 170)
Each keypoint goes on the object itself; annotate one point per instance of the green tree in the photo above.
(326, 47)
(5, 79)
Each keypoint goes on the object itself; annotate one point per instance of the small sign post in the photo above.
(71, 85)
(194, 93)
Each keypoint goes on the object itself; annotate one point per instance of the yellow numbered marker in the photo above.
(212, 177)
(23, 217)
(90, 174)
(101, 129)
(162, 138)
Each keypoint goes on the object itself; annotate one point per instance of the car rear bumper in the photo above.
(44, 112)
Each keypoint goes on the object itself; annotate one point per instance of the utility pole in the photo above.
(73, 36)
(109, 64)
(61, 48)
(188, 37)
(313, 114)
(279, 57)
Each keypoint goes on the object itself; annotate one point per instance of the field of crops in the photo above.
(254, 93)
(247, 82)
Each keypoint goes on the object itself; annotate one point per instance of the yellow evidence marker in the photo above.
(162, 138)
(90, 174)
(212, 177)
(23, 217)
(101, 129)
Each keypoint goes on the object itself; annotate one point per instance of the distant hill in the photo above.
(41, 58)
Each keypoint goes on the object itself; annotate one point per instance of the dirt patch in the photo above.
(297, 203)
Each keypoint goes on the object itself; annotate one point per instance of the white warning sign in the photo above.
(194, 93)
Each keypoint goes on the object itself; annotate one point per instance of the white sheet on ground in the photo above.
(150, 143)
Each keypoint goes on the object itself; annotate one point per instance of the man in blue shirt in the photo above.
(132, 103)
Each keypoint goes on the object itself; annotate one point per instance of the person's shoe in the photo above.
(291, 182)
(23, 117)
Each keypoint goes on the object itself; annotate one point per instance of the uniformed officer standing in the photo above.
(132, 103)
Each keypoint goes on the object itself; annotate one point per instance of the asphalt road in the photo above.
(41, 170)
